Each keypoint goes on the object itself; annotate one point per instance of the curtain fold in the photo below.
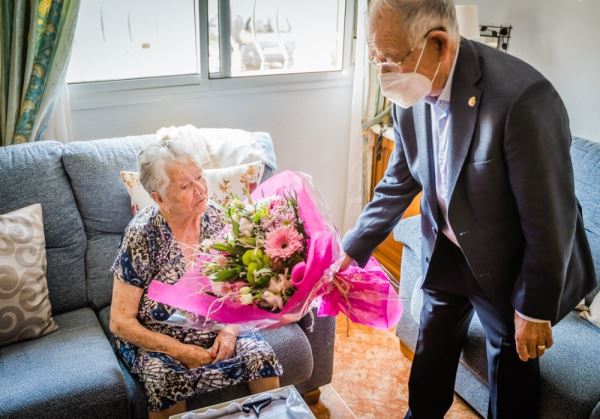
(367, 102)
(59, 126)
(35, 43)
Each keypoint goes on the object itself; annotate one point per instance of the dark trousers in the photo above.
(451, 292)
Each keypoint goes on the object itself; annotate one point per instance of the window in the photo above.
(275, 36)
(116, 40)
(141, 39)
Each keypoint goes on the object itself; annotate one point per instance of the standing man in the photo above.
(486, 138)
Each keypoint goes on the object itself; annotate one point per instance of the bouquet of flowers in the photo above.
(255, 254)
(277, 255)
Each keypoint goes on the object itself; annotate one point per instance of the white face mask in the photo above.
(406, 89)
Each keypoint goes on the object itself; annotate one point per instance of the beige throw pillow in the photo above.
(25, 311)
(222, 184)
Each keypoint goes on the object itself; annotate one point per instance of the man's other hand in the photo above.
(532, 338)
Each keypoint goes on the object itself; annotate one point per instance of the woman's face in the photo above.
(186, 194)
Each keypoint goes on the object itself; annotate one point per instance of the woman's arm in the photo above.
(124, 323)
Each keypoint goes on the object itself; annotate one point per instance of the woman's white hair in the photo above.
(170, 148)
(421, 16)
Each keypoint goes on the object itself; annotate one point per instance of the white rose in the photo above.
(246, 227)
(246, 299)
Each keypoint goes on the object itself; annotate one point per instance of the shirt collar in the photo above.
(443, 100)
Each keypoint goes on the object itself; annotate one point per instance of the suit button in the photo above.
(427, 259)
(435, 230)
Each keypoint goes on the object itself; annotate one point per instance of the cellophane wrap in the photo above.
(365, 295)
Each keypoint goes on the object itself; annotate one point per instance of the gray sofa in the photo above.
(571, 369)
(74, 372)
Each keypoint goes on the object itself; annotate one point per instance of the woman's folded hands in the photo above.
(194, 356)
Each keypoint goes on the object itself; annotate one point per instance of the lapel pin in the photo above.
(472, 101)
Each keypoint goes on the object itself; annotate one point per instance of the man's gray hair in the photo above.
(168, 149)
(421, 16)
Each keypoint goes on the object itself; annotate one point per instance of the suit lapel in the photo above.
(464, 108)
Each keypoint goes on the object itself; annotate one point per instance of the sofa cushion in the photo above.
(93, 167)
(33, 173)
(408, 232)
(70, 373)
(25, 311)
(101, 253)
(570, 384)
(586, 166)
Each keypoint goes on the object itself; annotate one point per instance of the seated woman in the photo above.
(175, 363)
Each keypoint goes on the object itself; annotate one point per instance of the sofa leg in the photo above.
(312, 396)
(406, 351)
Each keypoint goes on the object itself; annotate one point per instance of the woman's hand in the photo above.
(224, 345)
(194, 356)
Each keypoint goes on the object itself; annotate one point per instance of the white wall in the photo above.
(310, 128)
(560, 39)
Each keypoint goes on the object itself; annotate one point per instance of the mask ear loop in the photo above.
(421, 55)
(419, 62)
(436, 72)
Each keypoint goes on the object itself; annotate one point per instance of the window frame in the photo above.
(102, 94)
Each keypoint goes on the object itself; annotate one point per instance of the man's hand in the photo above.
(224, 345)
(532, 338)
(346, 262)
(194, 356)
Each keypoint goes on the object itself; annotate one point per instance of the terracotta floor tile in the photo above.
(371, 376)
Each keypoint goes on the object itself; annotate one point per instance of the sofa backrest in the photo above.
(93, 168)
(34, 173)
(586, 166)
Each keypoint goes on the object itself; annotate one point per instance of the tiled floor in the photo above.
(370, 377)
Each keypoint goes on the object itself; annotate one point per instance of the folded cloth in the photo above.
(281, 403)
(592, 313)
(225, 147)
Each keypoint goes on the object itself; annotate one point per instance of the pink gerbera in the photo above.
(283, 242)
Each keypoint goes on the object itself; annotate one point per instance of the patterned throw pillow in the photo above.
(222, 184)
(25, 311)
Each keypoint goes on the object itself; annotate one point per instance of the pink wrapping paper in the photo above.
(364, 295)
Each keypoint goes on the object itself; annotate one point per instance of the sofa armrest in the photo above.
(320, 332)
(408, 232)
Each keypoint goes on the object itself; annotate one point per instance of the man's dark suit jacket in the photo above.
(512, 203)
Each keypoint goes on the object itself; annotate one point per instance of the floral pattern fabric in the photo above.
(149, 252)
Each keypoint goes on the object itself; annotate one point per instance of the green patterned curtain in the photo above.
(35, 43)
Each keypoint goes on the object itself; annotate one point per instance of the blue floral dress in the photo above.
(148, 251)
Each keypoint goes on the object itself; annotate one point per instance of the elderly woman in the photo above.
(174, 363)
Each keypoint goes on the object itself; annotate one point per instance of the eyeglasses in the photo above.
(397, 65)
(387, 63)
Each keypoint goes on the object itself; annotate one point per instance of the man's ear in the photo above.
(441, 41)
